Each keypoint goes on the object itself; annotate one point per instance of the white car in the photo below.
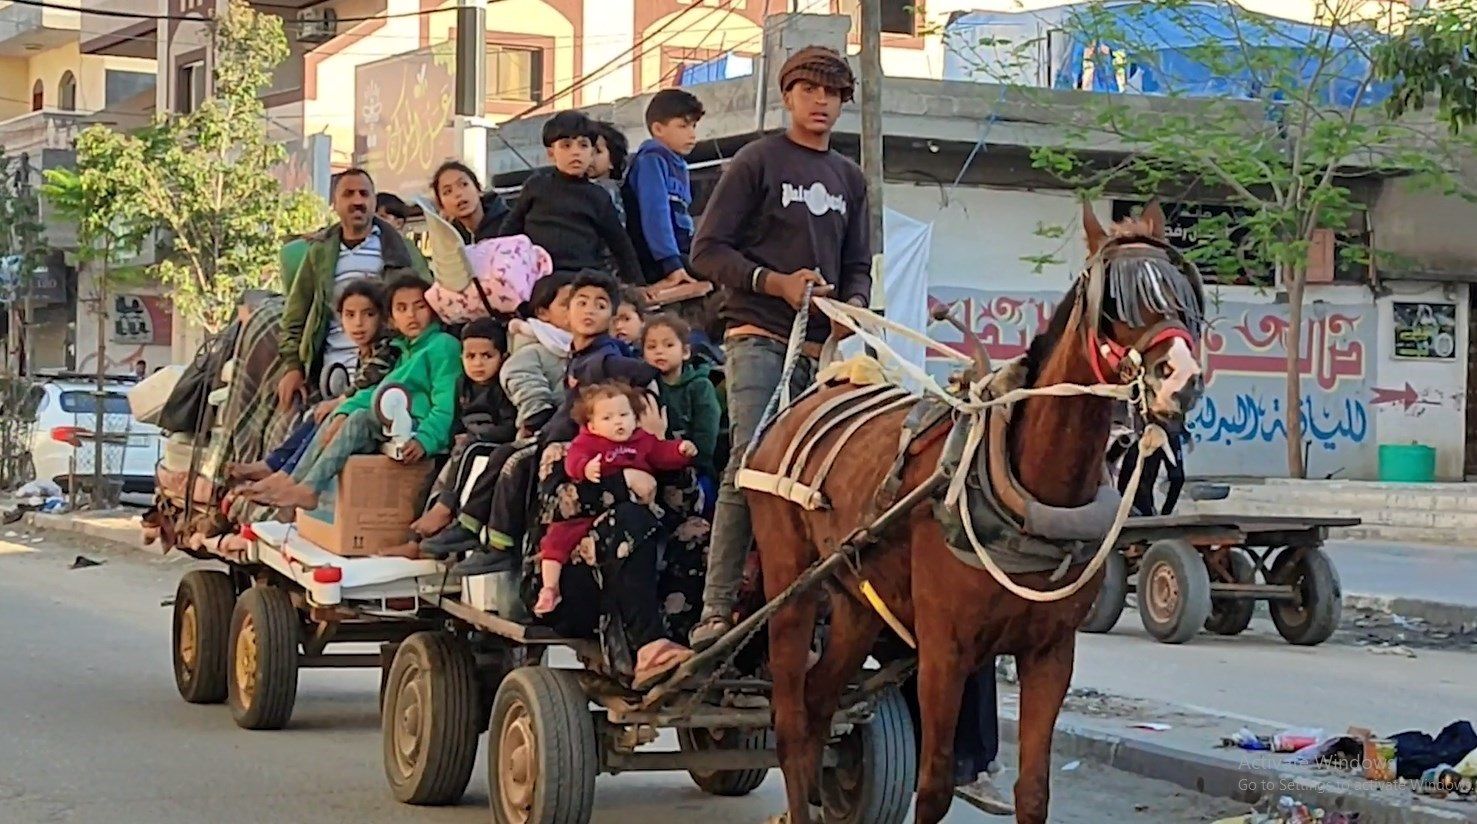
(64, 419)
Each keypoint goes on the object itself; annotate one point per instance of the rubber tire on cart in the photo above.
(730, 783)
(1311, 622)
(876, 770)
(265, 631)
(1231, 616)
(542, 752)
(429, 720)
(201, 636)
(1173, 591)
(1110, 599)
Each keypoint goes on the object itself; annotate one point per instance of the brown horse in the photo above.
(961, 616)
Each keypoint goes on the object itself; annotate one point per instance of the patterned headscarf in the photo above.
(821, 66)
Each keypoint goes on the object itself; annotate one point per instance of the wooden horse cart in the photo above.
(1208, 571)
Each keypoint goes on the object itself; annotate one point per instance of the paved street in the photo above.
(94, 731)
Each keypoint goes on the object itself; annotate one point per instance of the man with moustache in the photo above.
(360, 245)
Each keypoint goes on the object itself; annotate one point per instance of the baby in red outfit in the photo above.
(608, 442)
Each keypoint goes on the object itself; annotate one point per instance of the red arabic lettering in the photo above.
(1325, 355)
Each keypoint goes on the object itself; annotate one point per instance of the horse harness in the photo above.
(992, 511)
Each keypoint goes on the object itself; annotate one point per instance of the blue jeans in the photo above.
(286, 457)
(753, 366)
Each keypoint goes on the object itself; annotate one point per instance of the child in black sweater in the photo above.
(485, 418)
(572, 218)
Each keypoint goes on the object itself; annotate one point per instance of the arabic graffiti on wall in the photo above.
(1239, 426)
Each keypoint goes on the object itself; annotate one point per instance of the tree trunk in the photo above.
(1293, 279)
(101, 498)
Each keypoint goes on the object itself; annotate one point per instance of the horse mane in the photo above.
(1141, 280)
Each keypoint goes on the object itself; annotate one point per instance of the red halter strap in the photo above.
(1113, 358)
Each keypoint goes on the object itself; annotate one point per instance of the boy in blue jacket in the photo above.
(658, 192)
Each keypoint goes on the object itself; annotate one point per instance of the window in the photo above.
(78, 403)
(515, 73)
(38, 96)
(190, 91)
(66, 92)
(119, 86)
(898, 16)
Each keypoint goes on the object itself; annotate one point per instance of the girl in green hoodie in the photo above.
(430, 370)
(687, 392)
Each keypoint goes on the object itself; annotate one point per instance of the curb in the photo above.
(1226, 777)
(130, 537)
(1432, 612)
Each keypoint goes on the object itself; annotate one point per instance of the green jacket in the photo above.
(290, 259)
(309, 305)
(430, 369)
(693, 412)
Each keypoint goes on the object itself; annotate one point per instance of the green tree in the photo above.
(206, 177)
(1435, 56)
(1282, 140)
(22, 251)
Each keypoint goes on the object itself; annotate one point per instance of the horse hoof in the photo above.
(782, 818)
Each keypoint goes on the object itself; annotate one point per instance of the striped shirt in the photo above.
(340, 356)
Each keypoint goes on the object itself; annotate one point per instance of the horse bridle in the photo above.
(1112, 362)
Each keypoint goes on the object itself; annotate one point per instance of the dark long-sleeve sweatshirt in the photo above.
(784, 207)
(575, 222)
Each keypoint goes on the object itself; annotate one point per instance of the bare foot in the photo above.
(273, 482)
(254, 471)
(548, 601)
(431, 523)
(295, 496)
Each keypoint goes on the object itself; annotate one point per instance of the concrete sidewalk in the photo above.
(119, 526)
(1099, 728)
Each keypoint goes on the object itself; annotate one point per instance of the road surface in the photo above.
(94, 731)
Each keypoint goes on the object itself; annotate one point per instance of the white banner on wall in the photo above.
(904, 283)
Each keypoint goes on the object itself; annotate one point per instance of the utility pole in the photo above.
(871, 92)
(101, 500)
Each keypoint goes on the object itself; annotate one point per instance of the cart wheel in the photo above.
(263, 671)
(202, 633)
(1110, 599)
(1174, 591)
(876, 770)
(1311, 620)
(1231, 616)
(430, 720)
(543, 754)
(725, 782)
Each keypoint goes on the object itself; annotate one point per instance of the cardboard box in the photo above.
(368, 508)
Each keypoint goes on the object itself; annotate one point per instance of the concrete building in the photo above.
(1363, 386)
(50, 88)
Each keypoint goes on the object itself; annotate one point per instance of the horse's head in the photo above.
(1140, 305)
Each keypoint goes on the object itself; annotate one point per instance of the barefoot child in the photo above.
(363, 316)
(687, 393)
(609, 442)
(429, 368)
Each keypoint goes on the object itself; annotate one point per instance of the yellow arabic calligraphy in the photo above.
(414, 127)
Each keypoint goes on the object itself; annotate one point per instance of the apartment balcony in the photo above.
(25, 29)
(39, 133)
(108, 34)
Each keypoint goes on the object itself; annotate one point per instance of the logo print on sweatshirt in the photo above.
(815, 197)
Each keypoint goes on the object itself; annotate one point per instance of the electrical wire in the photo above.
(192, 18)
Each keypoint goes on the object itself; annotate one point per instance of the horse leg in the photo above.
(942, 668)
(853, 632)
(1045, 674)
(790, 631)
